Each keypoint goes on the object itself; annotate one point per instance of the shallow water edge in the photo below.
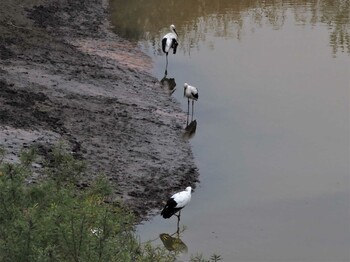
(65, 76)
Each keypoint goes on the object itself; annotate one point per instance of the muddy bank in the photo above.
(64, 76)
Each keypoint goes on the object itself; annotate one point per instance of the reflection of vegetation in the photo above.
(199, 258)
(336, 14)
(150, 19)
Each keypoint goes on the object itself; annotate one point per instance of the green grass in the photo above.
(54, 220)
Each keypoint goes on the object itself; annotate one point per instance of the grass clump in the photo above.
(55, 221)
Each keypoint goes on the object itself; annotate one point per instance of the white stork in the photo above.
(177, 202)
(169, 41)
(190, 92)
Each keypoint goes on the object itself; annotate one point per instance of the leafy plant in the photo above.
(54, 220)
(2, 153)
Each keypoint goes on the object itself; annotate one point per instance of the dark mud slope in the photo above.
(65, 77)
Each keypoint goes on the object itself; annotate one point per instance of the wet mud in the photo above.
(64, 76)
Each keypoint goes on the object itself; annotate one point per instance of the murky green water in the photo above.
(272, 140)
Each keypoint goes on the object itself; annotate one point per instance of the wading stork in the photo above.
(169, 41)
(190, 92)
(177, 202)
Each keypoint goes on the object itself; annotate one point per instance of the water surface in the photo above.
(272, 140)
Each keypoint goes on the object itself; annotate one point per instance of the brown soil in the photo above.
(64, 76)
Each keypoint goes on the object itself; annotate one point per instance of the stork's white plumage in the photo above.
(190, 92)
(176, 203)
(169, 41)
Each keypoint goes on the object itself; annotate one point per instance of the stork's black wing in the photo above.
(170, 208)
(174, 45)
(164, 44)
(195, 95)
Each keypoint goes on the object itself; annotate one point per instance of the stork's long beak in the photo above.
(175, 32)
(184, 91)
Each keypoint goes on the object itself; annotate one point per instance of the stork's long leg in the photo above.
(188, 106)
(178, 228)
(166, 65)
(178, 219)
(192, 110)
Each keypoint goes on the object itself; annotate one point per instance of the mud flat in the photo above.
(64, 76)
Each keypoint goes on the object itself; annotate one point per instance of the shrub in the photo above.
(55, 221)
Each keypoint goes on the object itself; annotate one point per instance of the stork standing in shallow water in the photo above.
(190, 92)
(169, 41)
(177, 202)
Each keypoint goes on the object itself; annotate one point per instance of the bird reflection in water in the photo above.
(190, 129)
(173, 243)
(168, 84)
